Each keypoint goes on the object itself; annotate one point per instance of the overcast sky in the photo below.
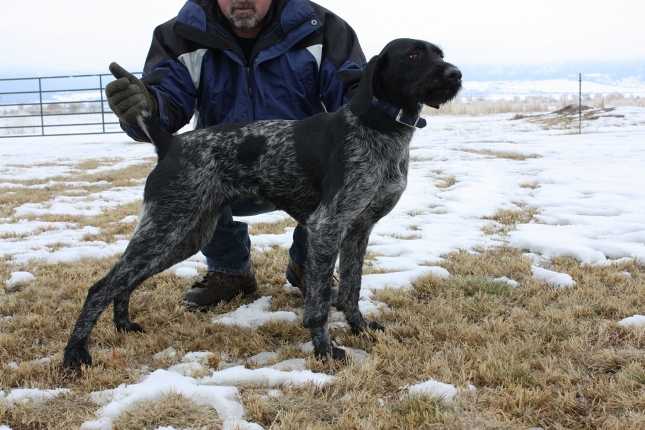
(73, 36)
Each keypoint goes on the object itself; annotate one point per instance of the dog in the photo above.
(335, 173)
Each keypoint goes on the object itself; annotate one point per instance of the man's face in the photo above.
(245, 14)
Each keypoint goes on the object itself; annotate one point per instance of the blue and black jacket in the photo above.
(306, 60)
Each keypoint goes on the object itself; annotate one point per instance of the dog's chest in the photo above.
(391, 182)
(395, 179)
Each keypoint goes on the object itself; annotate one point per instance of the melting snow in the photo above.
(435, 389)
(21, 395)
(266, 377)
(635, 321)
(554, 279)
(19, 279)
(254, 315)
(505, 280)
(225, 400)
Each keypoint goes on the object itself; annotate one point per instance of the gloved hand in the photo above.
(127, 96)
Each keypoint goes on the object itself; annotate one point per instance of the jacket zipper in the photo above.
(249, 85)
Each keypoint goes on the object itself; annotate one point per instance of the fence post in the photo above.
(102, 109)
(580, 103)
(40, 97)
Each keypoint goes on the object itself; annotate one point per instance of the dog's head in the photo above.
(407, 73)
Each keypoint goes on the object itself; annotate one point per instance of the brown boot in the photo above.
(217, 287)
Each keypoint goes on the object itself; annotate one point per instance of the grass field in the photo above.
(519, 357)
(537, 356)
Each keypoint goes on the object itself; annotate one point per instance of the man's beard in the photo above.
(243, 15)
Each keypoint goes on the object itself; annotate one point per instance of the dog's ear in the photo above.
(365, 91)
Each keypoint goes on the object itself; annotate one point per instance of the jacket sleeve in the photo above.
(169, 81)
(342, 63)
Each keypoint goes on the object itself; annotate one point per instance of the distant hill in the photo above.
(596, 71)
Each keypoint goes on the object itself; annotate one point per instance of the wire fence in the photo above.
(56, 106)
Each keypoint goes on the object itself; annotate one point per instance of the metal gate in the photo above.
(56, 106)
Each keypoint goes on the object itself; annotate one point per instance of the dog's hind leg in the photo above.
(164, 237)
(122, 314)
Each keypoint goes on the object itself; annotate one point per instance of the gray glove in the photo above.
(128, 96)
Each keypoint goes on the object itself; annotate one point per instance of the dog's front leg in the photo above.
(352, 256)
(322, 249)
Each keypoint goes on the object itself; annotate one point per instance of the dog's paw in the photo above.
(75, 357)
(338, 354)
(128, 327)
(332, 353)
(365, 326)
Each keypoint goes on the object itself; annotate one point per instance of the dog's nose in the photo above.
(453, 73)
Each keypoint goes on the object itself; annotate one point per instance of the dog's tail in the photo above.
(158, 136)
(149, 123)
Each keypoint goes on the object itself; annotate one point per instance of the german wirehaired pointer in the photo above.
(336, 173)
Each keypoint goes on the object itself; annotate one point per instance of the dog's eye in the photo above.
(413, 56)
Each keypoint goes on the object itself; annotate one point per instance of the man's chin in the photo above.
(245, 23)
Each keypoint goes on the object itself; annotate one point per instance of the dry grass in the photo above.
(119, 177)
(507, 155)
(445, 182)
(272, 228)
(96, 163)
(470, 107)
(538, 356)
(44, 312)
(568, 117)
(506, 220)
(11, 198)
(531, 185)
(171, 410)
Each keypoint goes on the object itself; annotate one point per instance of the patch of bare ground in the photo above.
(506, 220)
(538, 356)
(568, 117)
(43, 313)
(171, 410)
(11, 198)
(508, 155)
(445, 182)
(120, 177)
(272, 228)
(95, 163)
(553, 358)
(530, 105)
(532, 185)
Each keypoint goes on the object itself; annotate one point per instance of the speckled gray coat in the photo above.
(336, 173)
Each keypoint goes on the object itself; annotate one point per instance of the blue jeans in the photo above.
(229, 250)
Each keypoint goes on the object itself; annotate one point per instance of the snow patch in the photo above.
(434, 388)
(19, 279)
(267, 377)
(508, 281)
(634, 321)
(23, 395)
(554, 279)
(90, 205)
(225, 400)
(254, 315)
(130, 219)
(169, 353)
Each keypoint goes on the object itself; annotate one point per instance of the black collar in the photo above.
(398, 115)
